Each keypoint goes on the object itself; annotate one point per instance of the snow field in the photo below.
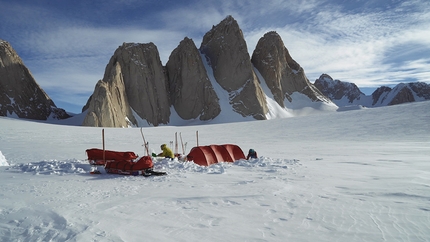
(360, 175)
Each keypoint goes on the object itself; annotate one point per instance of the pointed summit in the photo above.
(337, 90)
(191, 92)
(282, 73)
(134, 80)
(20, 95)
(227, 53)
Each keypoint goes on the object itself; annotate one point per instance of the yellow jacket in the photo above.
(167, 152)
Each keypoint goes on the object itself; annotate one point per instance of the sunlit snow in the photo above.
(361, 175)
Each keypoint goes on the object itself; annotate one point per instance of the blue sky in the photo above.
(67, 44)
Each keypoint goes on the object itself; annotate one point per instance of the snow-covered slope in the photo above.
(361, 175)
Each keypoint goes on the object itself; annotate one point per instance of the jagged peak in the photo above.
(228, 20)
(273, 37)
(331, 83)
(272, 33)
(133, 44)
(187, 41)
(325, 77)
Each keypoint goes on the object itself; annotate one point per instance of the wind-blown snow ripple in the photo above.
(53, 167)
(268, 164)
(167, 164)
(74, 166)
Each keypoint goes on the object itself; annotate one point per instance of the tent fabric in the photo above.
(97, 154)
(211, 154)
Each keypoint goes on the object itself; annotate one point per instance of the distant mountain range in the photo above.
(218, 79)
(348, 94)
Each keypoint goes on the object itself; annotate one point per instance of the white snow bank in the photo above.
(3, 161)
(349, 108)
(54, 167)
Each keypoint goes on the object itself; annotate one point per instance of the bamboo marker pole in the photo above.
(182, 144)
(144, 142)
(176, 143)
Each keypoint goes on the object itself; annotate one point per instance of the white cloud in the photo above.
(354, 47)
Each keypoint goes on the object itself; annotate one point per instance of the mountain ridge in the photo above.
(20, 95)
(183, 85)
(348, 94)
(219, 80)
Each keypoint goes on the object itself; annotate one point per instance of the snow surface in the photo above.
(3, 161)
(361, 175)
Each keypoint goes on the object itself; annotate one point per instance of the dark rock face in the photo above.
(136, 81)
(108, 106)
(145, 83)
(226, 50)
(404, 95)
(282, 74)
(401, 93)
(20, 95)
(336, 90)
(191, 92)
(379, 95)
(421, 89)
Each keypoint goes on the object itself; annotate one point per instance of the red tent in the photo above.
(211, 154)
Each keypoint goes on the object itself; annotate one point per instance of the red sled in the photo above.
(100, 157)
(118, 162)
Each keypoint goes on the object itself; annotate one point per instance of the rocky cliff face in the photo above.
(337, 90)
(191, 92)
(346, 94)
(108, 106)
(186, 82)
(282, 74)
(20, 95)
(145, 84)
(401, 93)
(228, 55)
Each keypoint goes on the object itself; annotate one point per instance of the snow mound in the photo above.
(76, 166)
(53, 167)
(3, 161)
(268, 164)
(350, 108)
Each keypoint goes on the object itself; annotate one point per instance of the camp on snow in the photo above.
(128, 163)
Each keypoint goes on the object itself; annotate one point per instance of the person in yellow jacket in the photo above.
(167, 152)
